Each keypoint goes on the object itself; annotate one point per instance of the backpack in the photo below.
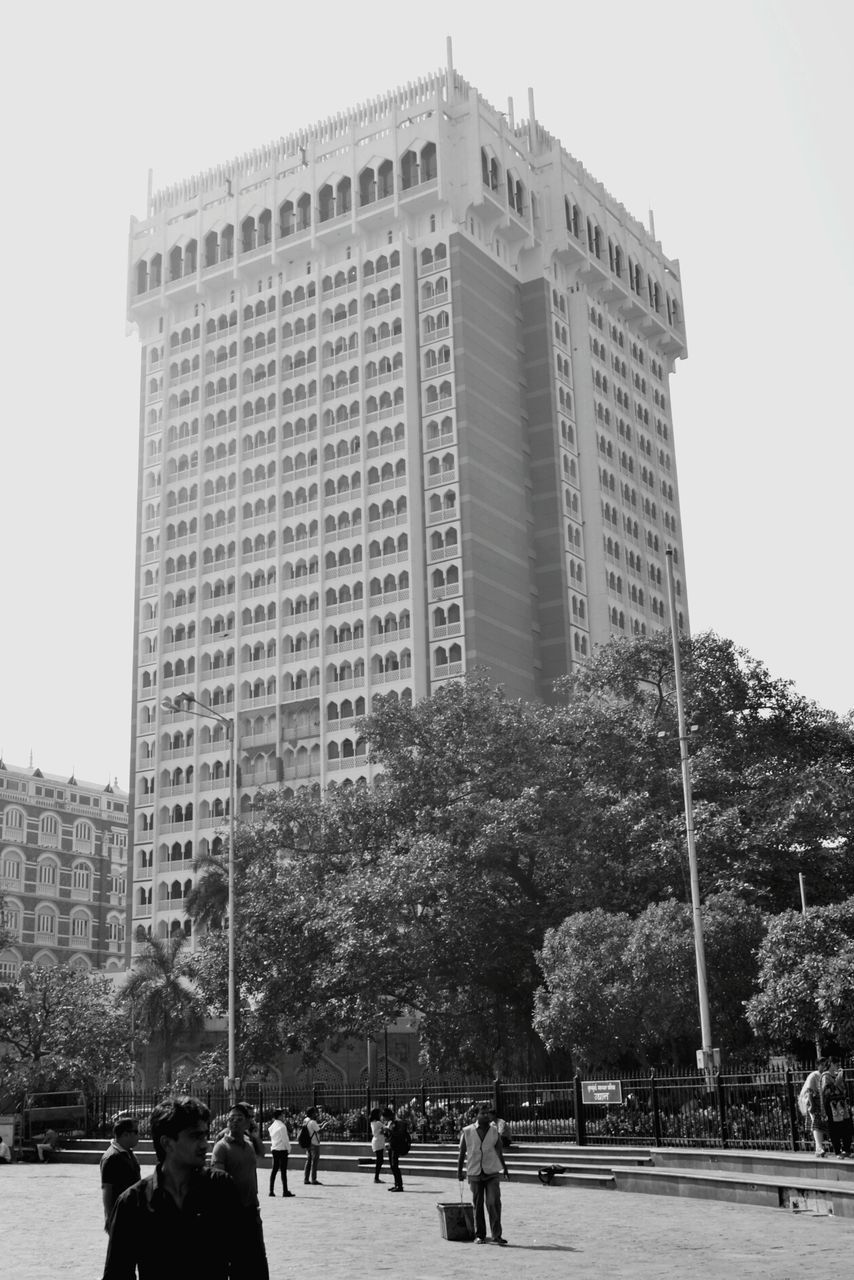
(400, 1139)
(304, 1139)
(809, 1086)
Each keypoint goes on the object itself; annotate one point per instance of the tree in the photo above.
(619, 990)
(60, 1027)
(586, 1006)
(163, 998)
(773, 775)
(496, 820)
(375, 902)
(806, 979)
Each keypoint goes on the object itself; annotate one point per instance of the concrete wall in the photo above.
(494, 469)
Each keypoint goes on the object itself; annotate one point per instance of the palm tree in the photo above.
(165, 1002)
(207, 901)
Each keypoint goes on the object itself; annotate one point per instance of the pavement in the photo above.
(51, 1228)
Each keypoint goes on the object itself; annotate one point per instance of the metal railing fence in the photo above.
(750, 1108)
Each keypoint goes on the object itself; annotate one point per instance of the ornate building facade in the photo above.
(404, 413)
(63, 871)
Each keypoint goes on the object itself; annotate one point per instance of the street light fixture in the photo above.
(188, 704)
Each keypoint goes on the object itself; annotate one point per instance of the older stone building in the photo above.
(63, 871)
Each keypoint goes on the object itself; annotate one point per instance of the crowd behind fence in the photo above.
(754, 1109)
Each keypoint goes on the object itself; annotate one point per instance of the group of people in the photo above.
(824, 1103)
(191, 1217)
(392, 1134)
(178, 1221)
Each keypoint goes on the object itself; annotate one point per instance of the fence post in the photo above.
(367, 1100)
(791, 1107)
(496, 1095)
(314, 1091)
(580, 1127)
(656, 1114)
(720, 1098)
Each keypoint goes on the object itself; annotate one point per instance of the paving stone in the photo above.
(350, 1229)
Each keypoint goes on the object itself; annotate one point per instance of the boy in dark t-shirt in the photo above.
(119, 1166)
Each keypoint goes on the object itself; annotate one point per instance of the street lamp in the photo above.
(706, 1056)
(188, 703)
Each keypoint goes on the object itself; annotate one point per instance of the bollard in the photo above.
(656, 1114)
(580, 1125)
(791, 1108)
(720, 1100)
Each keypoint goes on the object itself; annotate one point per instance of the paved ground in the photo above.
(349, 1229)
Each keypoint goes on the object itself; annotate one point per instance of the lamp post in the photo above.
(187, 703)
(706, 1056)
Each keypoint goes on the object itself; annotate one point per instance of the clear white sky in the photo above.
(732, 120)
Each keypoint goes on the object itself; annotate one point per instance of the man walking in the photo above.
(237, 1154)
(280, 1149)
(183, 1220)
(482, 1160)
(119, 1166)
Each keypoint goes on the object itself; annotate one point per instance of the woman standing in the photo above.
(834, 1099)
(377, 1141)
(812, 1108)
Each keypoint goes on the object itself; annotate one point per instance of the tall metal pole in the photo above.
(188, 703)
(232, 1072)
(696, 908)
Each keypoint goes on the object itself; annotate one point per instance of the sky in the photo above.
(732, 122)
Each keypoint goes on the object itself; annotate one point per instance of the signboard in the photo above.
(597, 1092)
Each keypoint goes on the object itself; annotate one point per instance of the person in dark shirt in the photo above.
(119, 1166)
(237, 1155)
(185, 1220)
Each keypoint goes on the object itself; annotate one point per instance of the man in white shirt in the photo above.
(280, 1149)
(482, 1160)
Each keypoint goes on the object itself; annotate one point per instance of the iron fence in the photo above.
(751, 1108)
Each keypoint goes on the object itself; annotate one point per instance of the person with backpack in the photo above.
(309, 1140)
(399, 1142)
(837, 1110)
(811, 1108)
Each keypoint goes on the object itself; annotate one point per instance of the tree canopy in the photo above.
(806, 979)
(497, 820)
(59, 1027)
(624, 990)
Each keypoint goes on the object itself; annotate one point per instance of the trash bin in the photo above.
(456, 1220)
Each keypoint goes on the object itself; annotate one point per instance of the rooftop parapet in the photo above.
(528, 137)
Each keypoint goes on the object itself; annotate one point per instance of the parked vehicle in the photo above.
(65, 1112)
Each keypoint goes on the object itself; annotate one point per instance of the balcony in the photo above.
(390, 677)
(444, 553)
(442, 633)
(346, 762)
(447, 670)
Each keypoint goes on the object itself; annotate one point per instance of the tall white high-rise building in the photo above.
(404, 413)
